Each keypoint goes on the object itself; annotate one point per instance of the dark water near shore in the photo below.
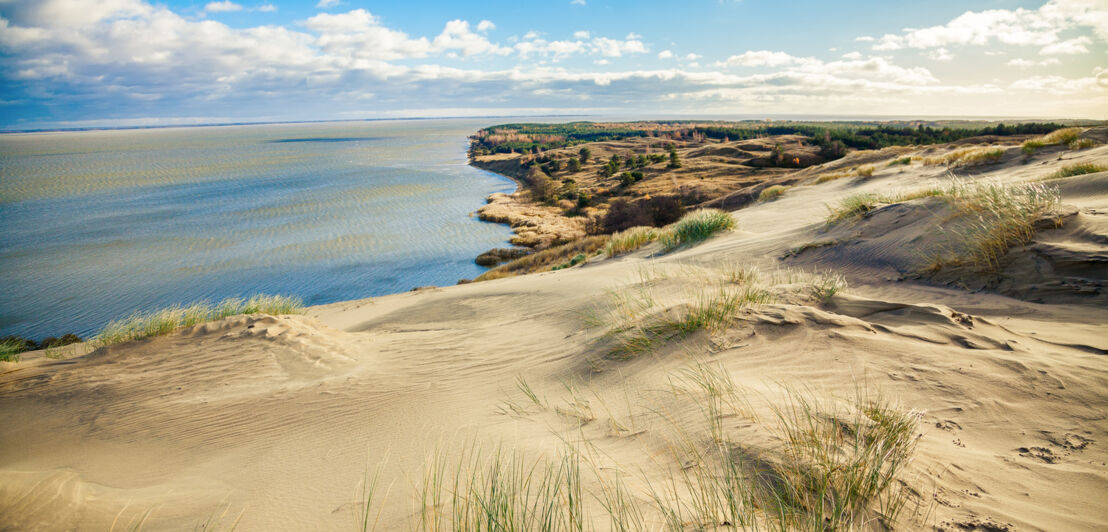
(99, 224)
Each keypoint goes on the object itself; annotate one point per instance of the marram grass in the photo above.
(697, 226)
(146, 324)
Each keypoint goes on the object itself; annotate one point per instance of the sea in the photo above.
(97, 225)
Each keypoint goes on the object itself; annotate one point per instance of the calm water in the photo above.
(99, 224)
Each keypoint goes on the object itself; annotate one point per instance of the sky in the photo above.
(94, 63)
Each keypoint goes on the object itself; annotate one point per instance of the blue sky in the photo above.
(75, 63)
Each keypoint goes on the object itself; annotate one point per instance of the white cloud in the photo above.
(692, 57)
(222, 7)
(485, 25)
(581, 34)
(1077, 45)
(1026, 63)
(762, 58)
(940, 54)
(577, 2)
(327, 4)
(665, 54)
(457, 36)
(852, 55)
(864, 38)
(267, 8)
(633, 37)
(613, 48)
(1019, 27)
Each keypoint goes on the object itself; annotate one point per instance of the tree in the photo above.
(674, 161)
(573, 166)
(584, 153)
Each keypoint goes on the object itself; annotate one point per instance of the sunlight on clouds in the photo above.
(128, 56)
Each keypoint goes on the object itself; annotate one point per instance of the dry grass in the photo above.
(991, 218)
(1081, 144)
(837, 465)
(864, 171)
(967, 157)
(1061, 136)
(547, 259)
(772, 193)
(1077, 169)
(165, 321)
(632, 239)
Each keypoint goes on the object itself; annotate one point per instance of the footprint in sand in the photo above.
(1042, 454)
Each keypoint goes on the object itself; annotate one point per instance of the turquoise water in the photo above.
(100, 224)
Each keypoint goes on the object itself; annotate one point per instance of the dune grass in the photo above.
(864, 171)
(967, 157)
(697, 226)
(1077, 169)
(993, 218)
(547, 259)
(632, 239)
(1081, 144)
(167, 320)
(645, 316)
(10, 349)
(1060, 136)
(837, 465)
(904, 161)
(772, 193)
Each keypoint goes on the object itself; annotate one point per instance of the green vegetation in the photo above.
(994, 218)
(697, 226)
(832, 137)
(10, 348)
(967, 157)
(547, 259)
(1077, 169)
(772, 193)
(904, 161)
(577, 259)
(674, 160)
(1081, 144)
(1060, 136)
(632, 239)
(165, 321)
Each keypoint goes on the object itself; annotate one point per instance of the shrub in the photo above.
(655, 211)
(1077, 169)
(165, 321)
(864, 171)
(772, 193)
(697, 226)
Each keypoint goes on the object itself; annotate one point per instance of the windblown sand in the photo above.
(275, 420)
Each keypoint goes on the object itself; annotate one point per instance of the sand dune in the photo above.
(274, 421)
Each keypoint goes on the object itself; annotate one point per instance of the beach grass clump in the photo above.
(1077, 169)
(864, 171)
(697, 226)
(967, 157)
(632, 239)
(853, 206)
(164, 321)
(992, 218)
(903, 161)
(772, 193)
(1066, 136)
(10, 348)
(1081, 144)
(547, 259)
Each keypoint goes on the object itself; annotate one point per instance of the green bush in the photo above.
(697, 226)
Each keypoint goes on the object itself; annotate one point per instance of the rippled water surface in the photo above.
(99, 224)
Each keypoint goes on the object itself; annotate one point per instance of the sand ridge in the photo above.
(274, 420)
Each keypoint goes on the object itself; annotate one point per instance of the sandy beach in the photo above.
(279, 422)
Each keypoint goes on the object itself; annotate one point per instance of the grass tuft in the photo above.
(164, 321)
(905, 161)
(1077, 169)
(632, 239)
(1067, 136)
(1081, 144)
(697, 226)
(967, 157)
(10, 349)
(547, 259)
(772, 193)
